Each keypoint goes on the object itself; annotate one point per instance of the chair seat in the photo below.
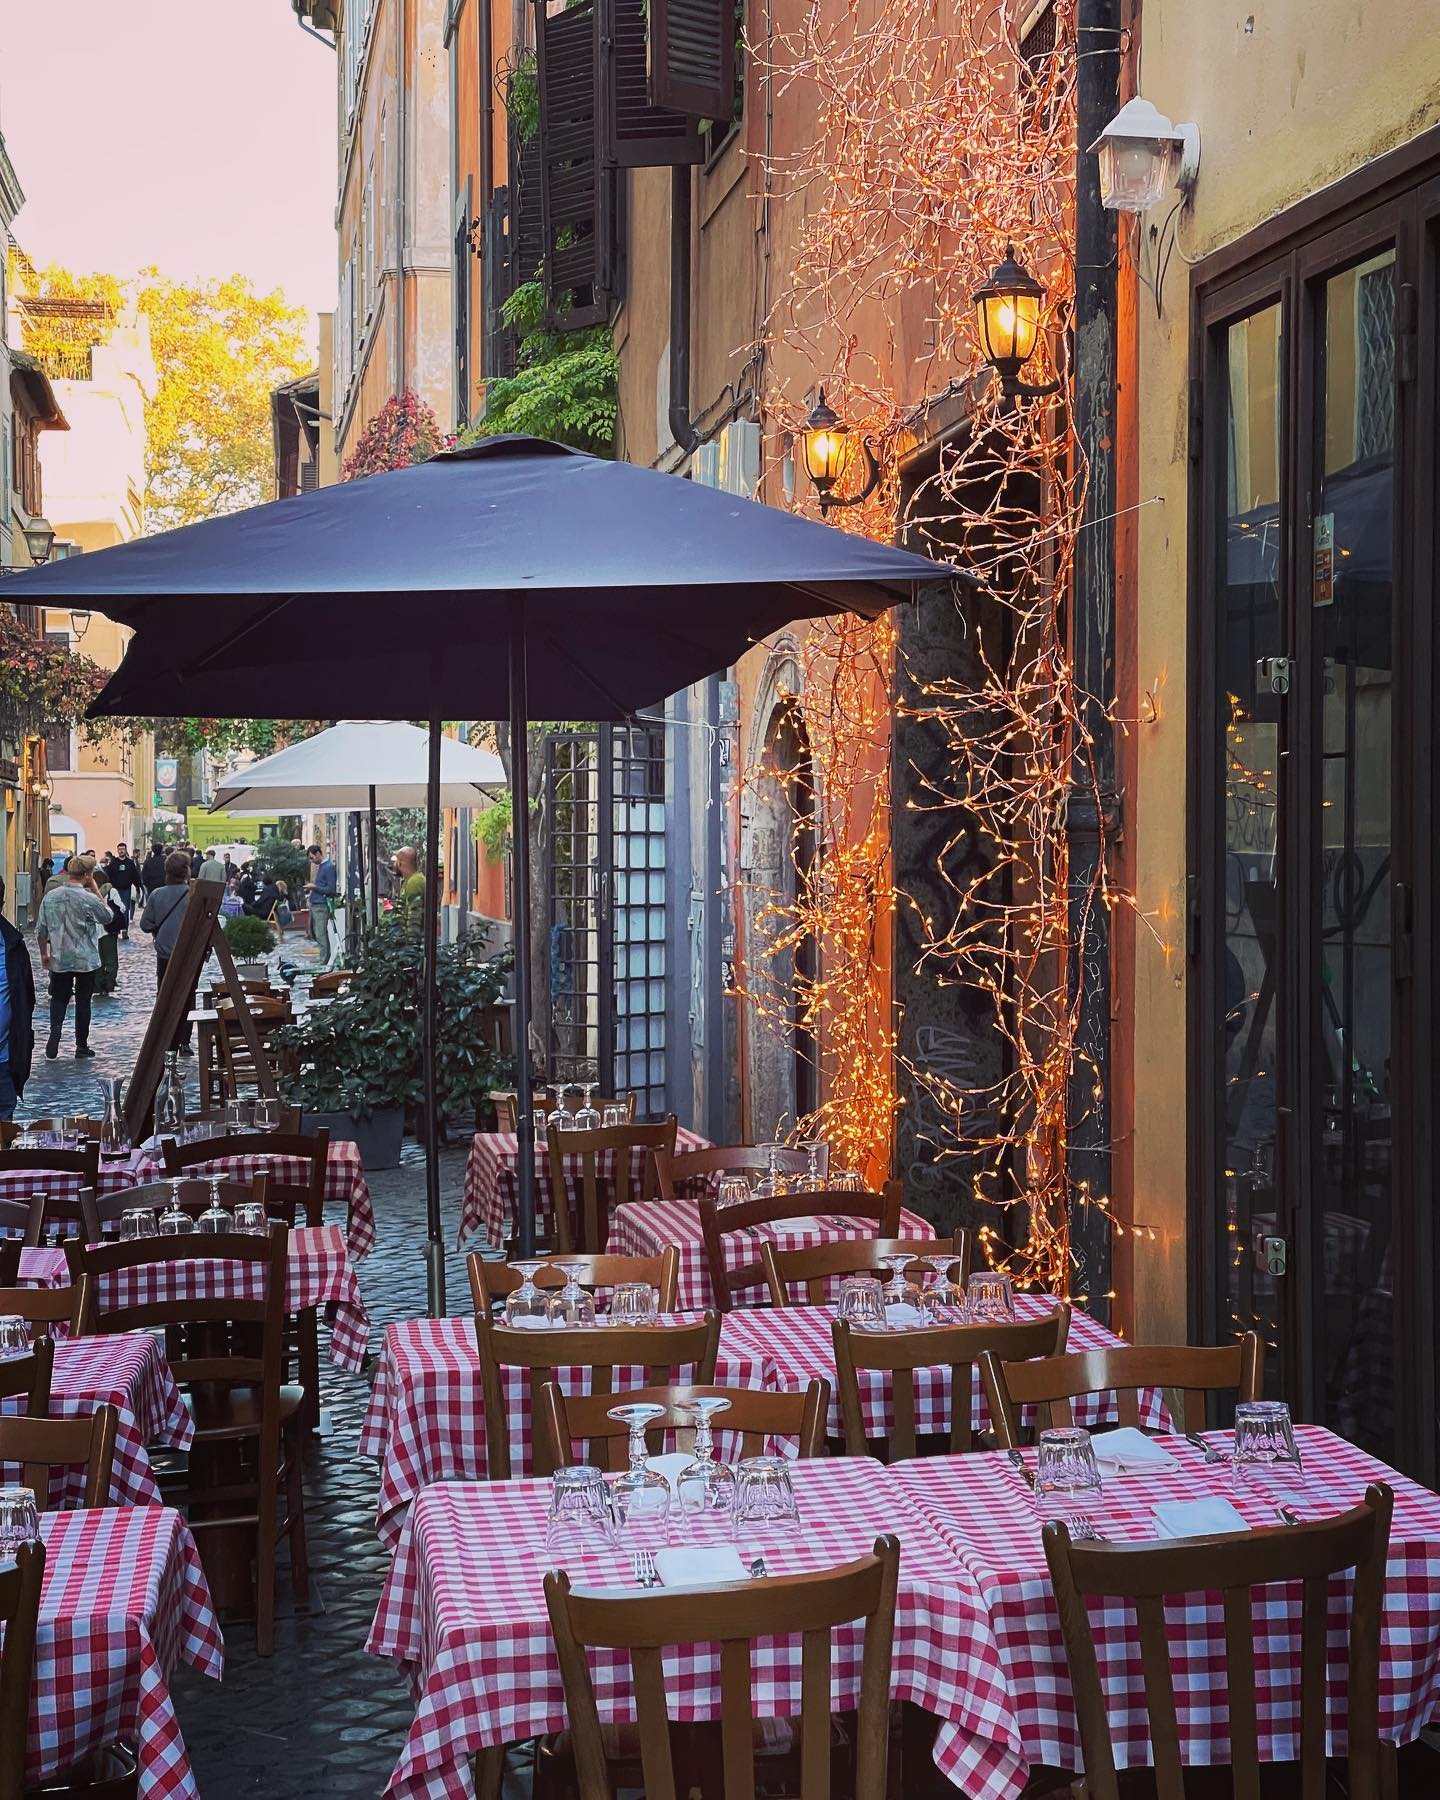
(235, 1412)
(110, 1774)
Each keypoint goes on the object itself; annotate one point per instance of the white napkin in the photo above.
(670, 1464)
(1197, 1518)
(1126, 1449)
(802, 1222)
(699, 1566)
(899, 1313)
(529, 1323)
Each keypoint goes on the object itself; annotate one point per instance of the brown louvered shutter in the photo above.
(692, 57)
(637, 134)
(576, 192)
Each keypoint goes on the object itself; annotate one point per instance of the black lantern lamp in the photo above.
(1007, 315)
(39, 537)
(825, 446)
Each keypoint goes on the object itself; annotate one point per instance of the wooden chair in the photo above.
(754, 1417)
(818, 1266)
(733, 1616)
(331, 981)
(10, 1129)
(84, 1162)
(228, 1353)
(85, 1126)
(297, 1202)
(585, 1224)
(29, 1376)
(956, 1347)
(20, 1587)
(697, 1170)
(662, 1350)
(1144, 1575)
(717, 1223)
(239, 1072)
(67, 1306)
(1051, 1385)
(504, 1098)
(10, 1248)
(42, 1445)
(491, 1282)
(23, 1221)
(99, 1210)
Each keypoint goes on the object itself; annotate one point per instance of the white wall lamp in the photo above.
(1142, 156)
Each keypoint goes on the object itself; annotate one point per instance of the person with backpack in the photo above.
(163, 915)
(72, 917)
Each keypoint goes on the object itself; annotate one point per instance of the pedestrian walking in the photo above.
(196, 862)
(72, 918)
(125, 878)
(320, 892)
(17, 1015)
(152, 874)
(108, 974)
(212, 869)
(162, 918)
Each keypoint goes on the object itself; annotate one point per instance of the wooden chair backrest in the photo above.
(675, 1175)
(24, 1219)
(98, 1211)
(1233, 1565)
(754, 1417)
(20, 1588)
(717, 1222)
(491, 1282)
(84, 1161)
(10, 1129)
(302, 1202)
(40, 1445)
(733, 1616)
(239, 1065)
(584, 1222)
(84, 1127)
(68, 1306)
(1126, 1370)
(662, 1350)
(29, 1377)
(901, 1353)
(504, 1098)
(10, 1248)
(331, 981)
(818, 1266)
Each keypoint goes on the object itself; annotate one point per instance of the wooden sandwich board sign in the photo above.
(200, 933)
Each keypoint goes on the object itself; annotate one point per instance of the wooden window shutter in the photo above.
(692, 57)
(576, 190)
(637, 133)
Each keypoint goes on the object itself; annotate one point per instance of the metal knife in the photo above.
(1019, 1462)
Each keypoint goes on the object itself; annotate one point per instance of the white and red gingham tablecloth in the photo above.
(490, 1182)
(794, 1345)
(125, 1600)
(464, 1608)
(426, 1417)
(318, 1273)
(129, 1371)
(645, 1227)
(982, 1508)
(345, 1182)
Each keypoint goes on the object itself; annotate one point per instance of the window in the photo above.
(368, 225)
(1039, 102)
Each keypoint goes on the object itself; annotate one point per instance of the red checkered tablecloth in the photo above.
(426, 1417)
(464, 1607)
(125, 1600)
(490, 1182)
(319, 1272)
(794, 1344)
(645, 1227)
(982, 1508)
(129, 1371)
(345, 1183)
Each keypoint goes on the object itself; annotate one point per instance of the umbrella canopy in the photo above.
(357, 764)
(394, 594)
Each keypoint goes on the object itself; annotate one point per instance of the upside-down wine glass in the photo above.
(772, 1182)
(705, 1489)
(571, 1305)
(812, 1181)
(527, 1306)
(215, 1219)
(587, 1118)
(641, 1498)
(561, 1116)
(175, 1221)
(901, 1291)
(943, 1298)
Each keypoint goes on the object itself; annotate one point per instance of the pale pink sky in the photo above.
(198, 135)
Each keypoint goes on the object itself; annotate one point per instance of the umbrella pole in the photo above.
(374, 862)
(434, 1244)
(520, 910)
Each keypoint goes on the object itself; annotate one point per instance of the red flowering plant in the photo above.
(44, 685)
(404, 431)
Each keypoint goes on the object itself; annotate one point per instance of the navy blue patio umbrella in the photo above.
(508, 581)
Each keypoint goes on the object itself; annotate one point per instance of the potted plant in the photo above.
(250, 941)
(359, 1058)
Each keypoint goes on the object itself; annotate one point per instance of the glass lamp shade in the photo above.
(39, 539)
(1135, 172)
(824, 446)
(1007, 315)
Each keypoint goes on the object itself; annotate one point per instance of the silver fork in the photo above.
(646, 1574)
(1210, 1453)
(1287, 1515)
(1084, 1531)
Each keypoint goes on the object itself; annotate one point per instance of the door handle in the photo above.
(1402, 957)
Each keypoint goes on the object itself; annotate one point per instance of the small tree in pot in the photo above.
(251, 940)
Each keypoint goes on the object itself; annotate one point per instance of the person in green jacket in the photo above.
(410, 897)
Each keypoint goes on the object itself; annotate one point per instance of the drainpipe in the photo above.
(1093, 805)
(681, 428)
(401, 131)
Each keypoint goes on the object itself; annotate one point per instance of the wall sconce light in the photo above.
(39, 539)
(79, 621)
(826, 450)
(1142, 155)
(1007, 316)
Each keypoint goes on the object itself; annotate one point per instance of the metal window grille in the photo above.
(1375, 385)
(637, 806)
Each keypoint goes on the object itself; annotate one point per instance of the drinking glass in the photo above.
(267, 1115)
(14, 1336)
(587, 1117)
(1264, 1437)
(614, 1115)
(580, 1514)
(705, 1489)
(19, 1520)
(561, 1116)
(133, 1220)
(765, 1497)
(527, 1306)
(640, 1497)
(846, 1181)
(862, 1302)
(943, 1300)
(540, 1127)
(250, 1219)
(175, 1221)
(989, 1298)
(72, 1127)
(772, 1182)
(731, 1189)
(813, 1179)
(902, 1291)
(1067, 1477)
(237, 1115)
(634, 1303)
(215, 1219)
(571, 1305)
